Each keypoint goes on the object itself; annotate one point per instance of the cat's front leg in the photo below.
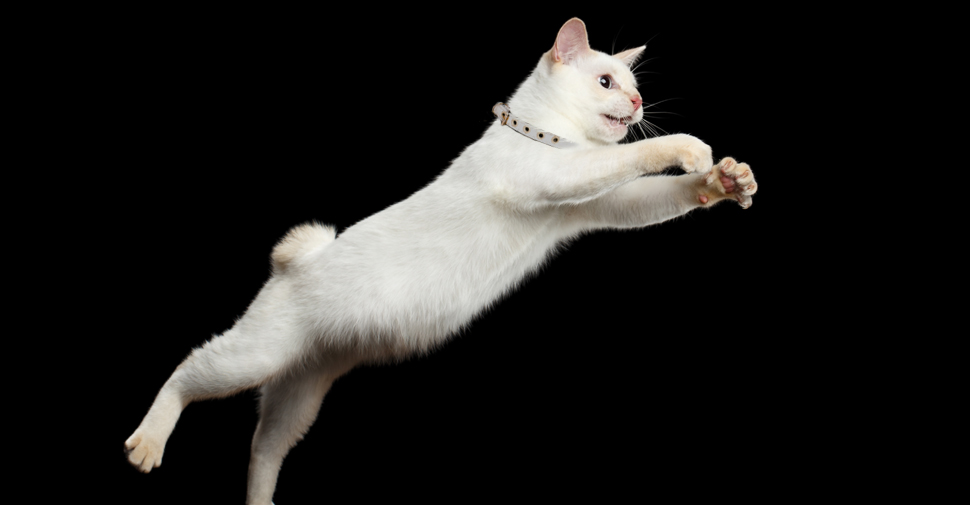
(652, 200)
(572, 177)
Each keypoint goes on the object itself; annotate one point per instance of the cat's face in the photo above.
(596, 90)
(605, 96)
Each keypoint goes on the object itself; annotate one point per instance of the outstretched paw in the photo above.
(143, 452)
(730, 179)
(693, 155)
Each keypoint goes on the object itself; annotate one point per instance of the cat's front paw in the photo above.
(692, 154)
(730, 179)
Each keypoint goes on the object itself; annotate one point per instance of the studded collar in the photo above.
(550, 139)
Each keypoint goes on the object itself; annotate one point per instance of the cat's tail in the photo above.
(300, 241)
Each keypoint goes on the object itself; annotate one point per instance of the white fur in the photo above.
(402, 281)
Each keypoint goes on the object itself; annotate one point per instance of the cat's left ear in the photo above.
(630, 56)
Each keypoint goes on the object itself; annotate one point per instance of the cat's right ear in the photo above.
(630, 56)
(571, 42)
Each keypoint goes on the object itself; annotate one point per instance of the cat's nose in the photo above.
(636, 102)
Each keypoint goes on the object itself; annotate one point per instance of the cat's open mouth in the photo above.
(617, 122)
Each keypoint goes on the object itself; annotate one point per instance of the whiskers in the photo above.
(647, 128)
(634, 69)
(644, 128)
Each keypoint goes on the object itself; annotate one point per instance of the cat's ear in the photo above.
(571, 41)
(630, 56)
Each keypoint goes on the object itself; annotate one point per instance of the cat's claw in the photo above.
(736, 180)
(143, 453)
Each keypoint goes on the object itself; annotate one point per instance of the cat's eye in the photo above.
(606, 82)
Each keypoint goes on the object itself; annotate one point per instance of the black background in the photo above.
(673, 359)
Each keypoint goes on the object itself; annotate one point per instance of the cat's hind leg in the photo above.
(260, 347)
(224, 366)
(287, 408)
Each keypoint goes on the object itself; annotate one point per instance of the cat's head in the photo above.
(598, 92)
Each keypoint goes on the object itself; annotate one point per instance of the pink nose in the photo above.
(636, 102)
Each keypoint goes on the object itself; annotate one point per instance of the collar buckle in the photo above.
(502, 111)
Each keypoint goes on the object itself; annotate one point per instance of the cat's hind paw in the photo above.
(733, 180)
(143, 452)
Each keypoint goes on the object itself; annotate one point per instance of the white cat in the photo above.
(403, 280)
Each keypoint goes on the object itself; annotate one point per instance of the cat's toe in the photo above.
(720, 170)
(726, 165)
(143, 453)
(744, 183)
(745, 201)
(744, 178)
